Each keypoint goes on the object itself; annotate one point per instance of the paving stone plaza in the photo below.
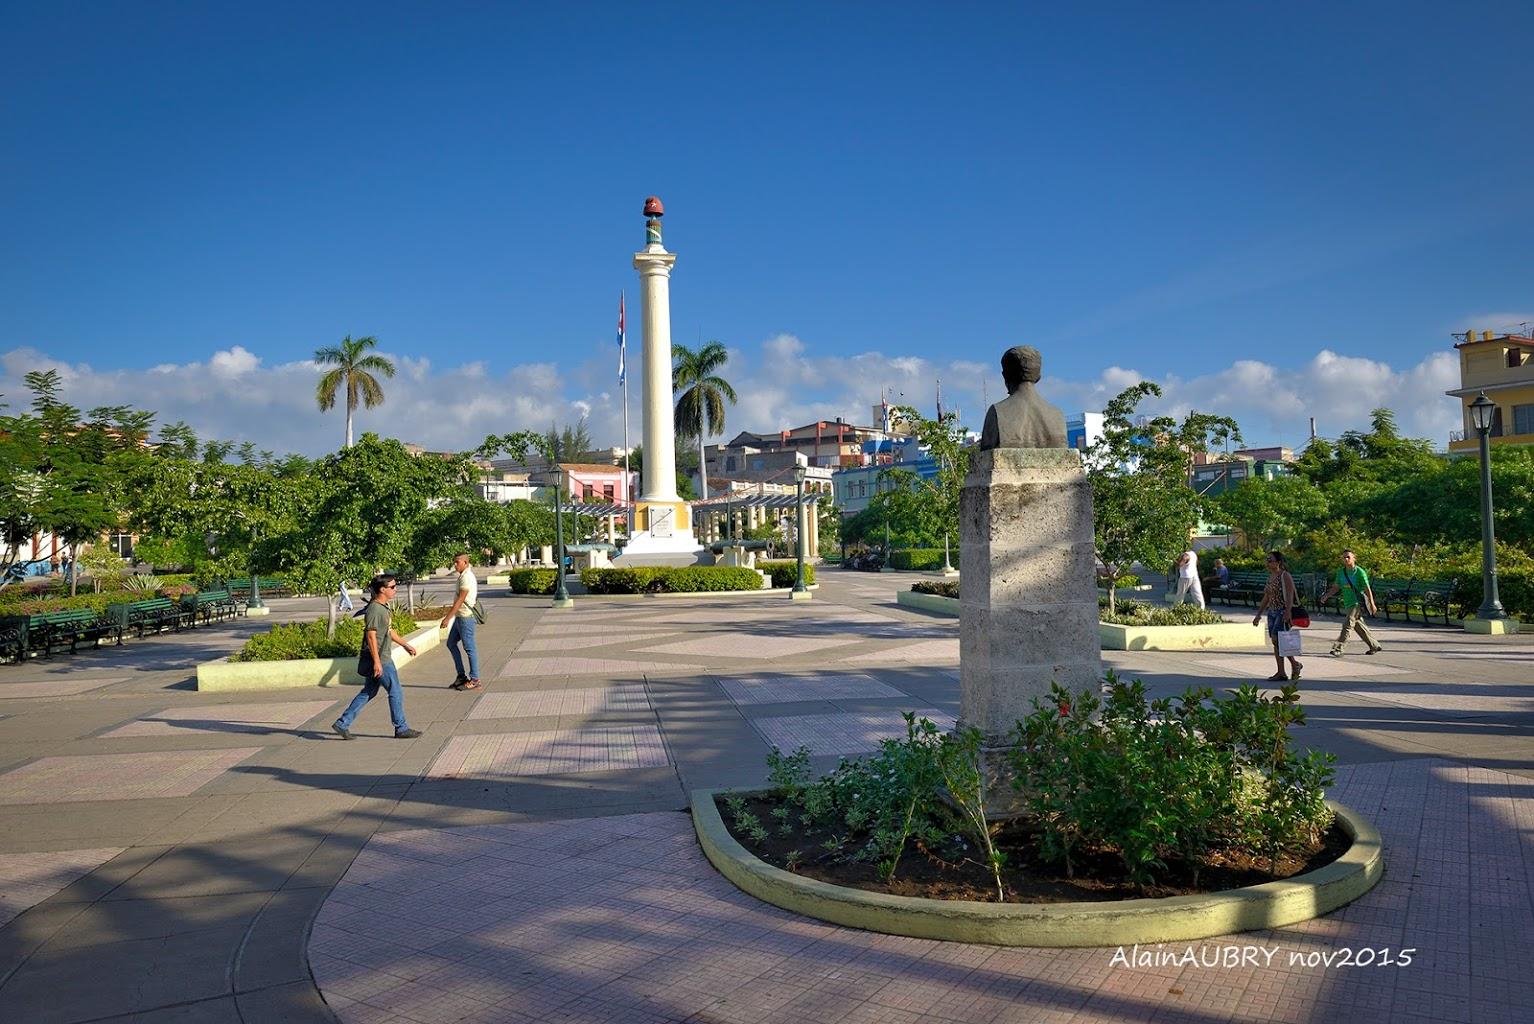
(168, 856)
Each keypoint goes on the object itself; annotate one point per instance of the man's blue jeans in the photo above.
(462, 632)
(389, 681)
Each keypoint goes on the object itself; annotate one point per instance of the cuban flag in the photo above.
(622, 343)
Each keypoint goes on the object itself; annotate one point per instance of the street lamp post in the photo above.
(800, 592)
(1482, 411)
(947, 561)
(561, 595)
(255, 581)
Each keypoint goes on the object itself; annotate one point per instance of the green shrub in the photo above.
(299, 640)
(29, 604)
(1129, 579)
(784, 573)
(532, 581)
(922, 558)
(1190, 778)
(1139, 613)
(942, 588)
(691, 579)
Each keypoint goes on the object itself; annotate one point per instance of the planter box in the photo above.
(228, 676)
(499, 579)
(1181, 638)
(928, 602)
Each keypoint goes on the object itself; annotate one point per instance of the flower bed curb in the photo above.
(1122, 922)
(1114, 637)
(928, 602)
(229, 676)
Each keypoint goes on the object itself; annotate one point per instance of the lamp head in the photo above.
(1482, 410)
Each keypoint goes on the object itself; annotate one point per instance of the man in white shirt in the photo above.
(1187, 580)
(461, 618)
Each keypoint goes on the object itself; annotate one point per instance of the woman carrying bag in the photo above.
(1278, 600)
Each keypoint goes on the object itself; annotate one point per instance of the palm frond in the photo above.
(376, 364)
(372, 391)
(325, 392)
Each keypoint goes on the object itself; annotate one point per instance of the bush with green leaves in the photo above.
(784, 573)
(1189, 778)
(941, 588)
(300, 640)
(691, 579)
(922, 558)
(1139, 613)
(532, 581)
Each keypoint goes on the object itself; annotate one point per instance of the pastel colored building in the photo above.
(1503, 367)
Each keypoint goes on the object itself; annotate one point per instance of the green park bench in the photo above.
(209, 606)
(155, 613)
(271, 586)
(21, 635)
(1245, 587)
(1390, 594)
(1429, 598)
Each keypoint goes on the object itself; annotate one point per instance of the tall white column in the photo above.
(654, 265)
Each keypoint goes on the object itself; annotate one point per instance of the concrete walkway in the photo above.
(165, 854)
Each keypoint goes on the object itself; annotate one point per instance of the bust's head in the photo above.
(1018, 364)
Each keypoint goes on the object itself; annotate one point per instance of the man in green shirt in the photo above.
(375, 663)
(1352, 583)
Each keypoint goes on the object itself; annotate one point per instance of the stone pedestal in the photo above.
(1028, 592)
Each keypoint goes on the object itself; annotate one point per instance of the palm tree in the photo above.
(700, 407)
(356, 371)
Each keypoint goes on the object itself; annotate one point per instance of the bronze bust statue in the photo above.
(1023, 419)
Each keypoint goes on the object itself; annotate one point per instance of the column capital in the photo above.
(661, 262)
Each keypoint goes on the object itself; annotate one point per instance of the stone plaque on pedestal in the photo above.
(1028, 592)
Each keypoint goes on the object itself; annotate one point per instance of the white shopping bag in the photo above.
(1289, 643)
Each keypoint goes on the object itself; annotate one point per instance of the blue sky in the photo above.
(1279, 211)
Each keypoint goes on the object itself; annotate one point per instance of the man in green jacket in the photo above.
(1352, 583)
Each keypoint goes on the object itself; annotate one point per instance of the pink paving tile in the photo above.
(923, 652)
(224, 718)
(610, 748)
(846, 733)
(57, 687)
(586, 700)
(563, 641)
(745, 645)
(523, 668)
(117, 776)
(26, 879)
(781, 689)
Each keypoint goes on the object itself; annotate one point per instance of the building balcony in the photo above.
(1459, 444)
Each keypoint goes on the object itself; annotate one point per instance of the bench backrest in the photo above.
(1249, 579)
(204, 596)
(69, 615)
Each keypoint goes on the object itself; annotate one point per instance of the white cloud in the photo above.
(780, 382)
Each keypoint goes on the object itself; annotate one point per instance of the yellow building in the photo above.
(1503, 367)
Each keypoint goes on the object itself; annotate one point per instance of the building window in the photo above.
(607, 491)
(1515, 358)
(729, 464)
(122, 543)
(1523, 419)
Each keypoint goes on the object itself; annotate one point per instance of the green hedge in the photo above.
(299, 640)
(532, 581)
(942, 588)
(25, 603)
(1138, 613)
(690, 579)
(922, 558)
(784, 573)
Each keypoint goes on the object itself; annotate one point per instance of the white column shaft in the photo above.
(659, 482)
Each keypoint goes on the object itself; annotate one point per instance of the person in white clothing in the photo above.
(1187, 580)
(461, 618)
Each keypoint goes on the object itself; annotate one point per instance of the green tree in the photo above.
(354, 371)
(1273, 513)
(570, 444)
(1143, 509)
(700, 404)
(363, 510)
(943, 441)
